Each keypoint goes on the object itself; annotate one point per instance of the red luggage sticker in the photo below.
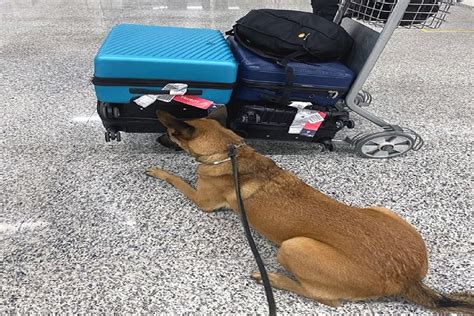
(314, 123)
(194, 101)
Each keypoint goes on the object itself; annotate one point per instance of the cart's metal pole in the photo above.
(341, 11)
(379, 46)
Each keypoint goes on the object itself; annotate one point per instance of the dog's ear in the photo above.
(176, 127)
(219, 115)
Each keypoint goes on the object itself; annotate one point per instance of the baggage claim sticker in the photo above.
(195, 101)
(313, 124)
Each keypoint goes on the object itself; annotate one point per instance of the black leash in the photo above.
(248, 233)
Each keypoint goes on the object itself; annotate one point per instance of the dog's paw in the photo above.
(257, 277)
(274, 278)
(157, 173)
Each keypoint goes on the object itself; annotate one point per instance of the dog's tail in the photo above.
(454, 303)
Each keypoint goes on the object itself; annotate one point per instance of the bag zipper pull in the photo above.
(333, 94)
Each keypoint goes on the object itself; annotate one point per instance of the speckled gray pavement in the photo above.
(82, 229)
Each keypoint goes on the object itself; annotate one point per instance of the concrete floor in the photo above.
(82, 229)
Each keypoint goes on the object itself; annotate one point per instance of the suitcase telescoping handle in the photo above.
(151, 91)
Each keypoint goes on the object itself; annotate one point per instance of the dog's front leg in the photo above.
(204, 197)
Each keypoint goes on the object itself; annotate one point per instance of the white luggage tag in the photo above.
(301, 116)
(299, 104)
(145, 100)
(173, 88)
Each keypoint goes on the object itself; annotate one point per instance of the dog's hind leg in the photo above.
(204, 196)
(282, 282)
(324, 273)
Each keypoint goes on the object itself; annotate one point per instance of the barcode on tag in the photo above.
(316, 117)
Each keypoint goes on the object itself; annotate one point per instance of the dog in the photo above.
(336, 252)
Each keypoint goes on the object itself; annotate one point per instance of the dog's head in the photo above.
(200, 137)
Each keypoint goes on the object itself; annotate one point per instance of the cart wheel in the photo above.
(384, 145)
(107, 136)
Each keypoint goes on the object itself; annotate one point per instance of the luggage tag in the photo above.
(195, 101)
(306, 122)
(145, 100)
(299, 104)
(173, 88)
(301, 117)
(313, 124)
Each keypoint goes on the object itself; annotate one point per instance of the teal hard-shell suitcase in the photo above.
(134, 58)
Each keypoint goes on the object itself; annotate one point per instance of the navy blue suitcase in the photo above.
(262, 79)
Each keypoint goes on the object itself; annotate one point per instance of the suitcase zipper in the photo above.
(332, 94)
(98, 81)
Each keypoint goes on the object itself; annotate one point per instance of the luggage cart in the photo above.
(371, 24)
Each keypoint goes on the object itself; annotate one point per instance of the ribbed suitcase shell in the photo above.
(142, 56)
(321, 83)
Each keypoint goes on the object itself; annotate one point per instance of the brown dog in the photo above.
(335, 251)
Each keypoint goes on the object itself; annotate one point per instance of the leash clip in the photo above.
(232, 151)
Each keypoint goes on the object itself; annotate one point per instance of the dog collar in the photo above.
(218, 162)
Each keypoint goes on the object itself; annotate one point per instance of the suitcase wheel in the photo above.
(328, 145)
(112, 135)
(350, 124)
(112, 111)
(106, 110)
(115, 112)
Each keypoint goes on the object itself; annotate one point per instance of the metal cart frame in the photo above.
(361, 19)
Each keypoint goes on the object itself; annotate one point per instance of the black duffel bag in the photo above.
(292, 35)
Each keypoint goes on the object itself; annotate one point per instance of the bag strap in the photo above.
(290, 75)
